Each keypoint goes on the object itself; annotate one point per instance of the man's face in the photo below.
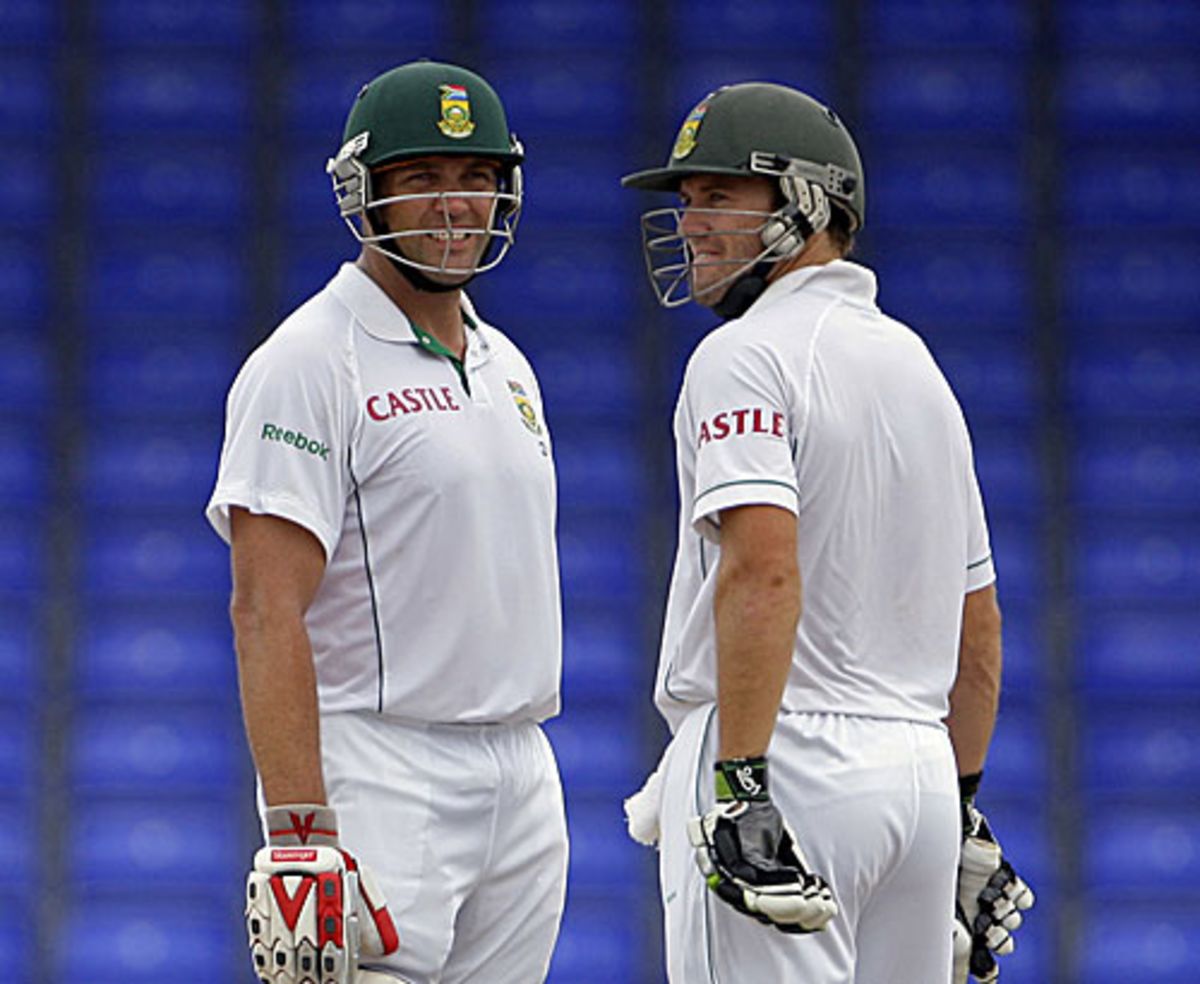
(449, 215)
(722, 218)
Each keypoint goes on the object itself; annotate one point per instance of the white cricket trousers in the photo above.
(874, 806)
(464, 827)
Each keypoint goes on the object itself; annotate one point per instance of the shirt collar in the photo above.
(850, 281)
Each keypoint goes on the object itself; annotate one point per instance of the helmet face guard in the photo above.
(363, 215)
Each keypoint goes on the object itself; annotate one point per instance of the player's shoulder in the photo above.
(311, 341)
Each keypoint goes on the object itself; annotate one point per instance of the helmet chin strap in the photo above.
(744, 291)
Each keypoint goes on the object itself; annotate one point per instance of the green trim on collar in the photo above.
(431, 344)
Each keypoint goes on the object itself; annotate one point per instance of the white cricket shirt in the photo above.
(816, 402)
(431, 487)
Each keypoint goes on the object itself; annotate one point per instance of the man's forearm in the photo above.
(279, 705)
(975, 697)
(756, 614)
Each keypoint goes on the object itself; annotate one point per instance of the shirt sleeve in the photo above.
(287, 432)
(981, 570)
(740, 424)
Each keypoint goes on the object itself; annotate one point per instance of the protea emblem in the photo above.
(456, 121)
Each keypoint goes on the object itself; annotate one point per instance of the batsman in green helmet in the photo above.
(388, 493)
(830, 661)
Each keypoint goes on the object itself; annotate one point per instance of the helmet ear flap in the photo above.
(805, 212)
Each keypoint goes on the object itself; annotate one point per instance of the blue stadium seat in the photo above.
(1006, 461)
(602, 852)
(1148, 26)
(949, 186)
(598, 468)
(1130, 95)
(1141, 851)
(23, 551)
(23, 22)
(24, 276)
(1017, 554)
(132, 466)
(148, 941)
(968, 95)
(1103, 187)
(161, 653)
(569, 186)
(1131, 283)
(603, 655)
(1020, 822)
(19, 754)
(17, 937)
(173, 94)
(1018, 761)
(600, 559)
(694, 74)
(225, 24)
(27, 190)
(1140, 562)
(960, 282)
(21, 659)
(29, 109)
(993, 376)
(197, 187)
(24, 463)
(1139, 651)
(595, 378)
(403, 29)
(24, 373)
(594, 946)
(1136, 471)
(801, 27)
(200, 280)
(548, 98)
(19, 849)
(1025, 655)
(597, 751)
(309, 204)
(1119, 943)
(559, 25)
(945, 24)
(313, 260)
(1135, 375)
(167, 557)
(318, 89)
(1148, 750)
(156, 749)
(128, 845)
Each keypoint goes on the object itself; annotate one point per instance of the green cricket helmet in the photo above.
(754, 128)
(427, 109)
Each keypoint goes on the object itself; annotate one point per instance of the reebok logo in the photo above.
(295, 439)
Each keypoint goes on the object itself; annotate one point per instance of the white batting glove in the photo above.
(750, 857)
(991, 896)
(311, 910)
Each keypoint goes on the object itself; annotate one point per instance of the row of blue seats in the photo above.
(1118, 94)
(976, 186)
(698, 24)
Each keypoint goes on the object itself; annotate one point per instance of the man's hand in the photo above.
(311, 910)
(750, 857)
(991, 897)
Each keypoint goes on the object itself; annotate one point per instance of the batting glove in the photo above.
(311, 909)
(991, 896)
(750, 857)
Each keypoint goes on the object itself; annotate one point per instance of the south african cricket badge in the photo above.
(685, 142)
(456, 121)
(528, 414)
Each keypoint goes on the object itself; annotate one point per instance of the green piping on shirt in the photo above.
(749, 481)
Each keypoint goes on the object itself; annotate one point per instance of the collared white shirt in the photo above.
(816, 402)
(430, 485)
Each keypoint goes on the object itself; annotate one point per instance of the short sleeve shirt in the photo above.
(818, 403)
(430, 486)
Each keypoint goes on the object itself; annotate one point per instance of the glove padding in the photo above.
(750, 858)
(311, 909)
(991, 898)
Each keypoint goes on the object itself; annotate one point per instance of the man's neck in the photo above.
(440, 314)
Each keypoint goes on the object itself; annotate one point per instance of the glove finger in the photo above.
(1021, 894)
(984, 968)
(998, 939)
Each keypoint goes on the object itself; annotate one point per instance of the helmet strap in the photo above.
(744, 291)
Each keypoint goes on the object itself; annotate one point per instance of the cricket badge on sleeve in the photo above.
(685, 142)
(456, 122)
(524, 406)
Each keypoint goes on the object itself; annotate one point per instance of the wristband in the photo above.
(298, 824)
(968, 786)
(742, 779)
